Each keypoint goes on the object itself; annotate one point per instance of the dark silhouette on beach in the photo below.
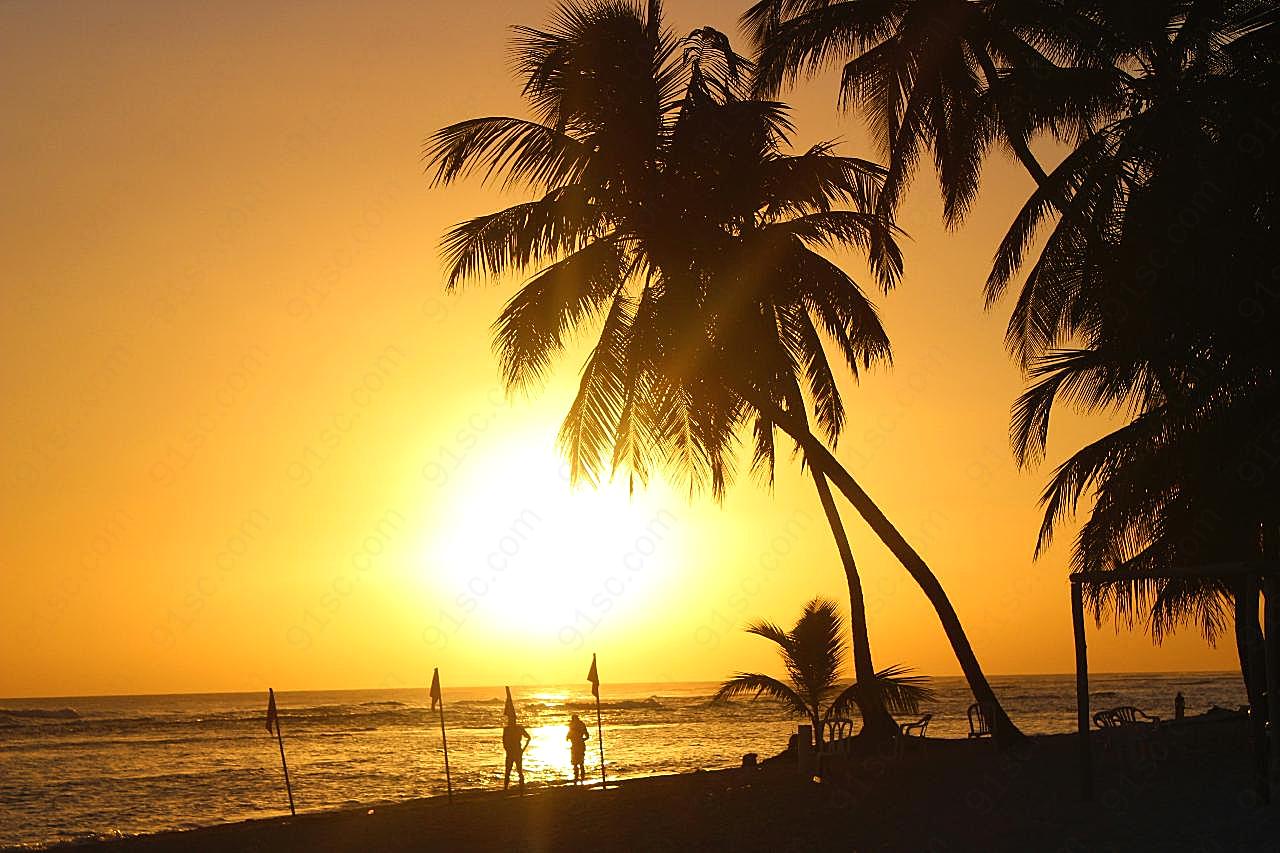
(577, 737)
(515, 739)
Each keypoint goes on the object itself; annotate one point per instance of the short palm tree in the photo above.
(812, 654)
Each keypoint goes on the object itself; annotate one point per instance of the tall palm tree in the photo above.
(672, 218)
(1160, 102)
(1167, 492)
(926, 73)
(1155, 294)
(812, 653)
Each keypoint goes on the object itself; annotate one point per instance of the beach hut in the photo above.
(1261, 572)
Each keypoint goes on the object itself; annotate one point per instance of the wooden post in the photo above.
(1271, 628)
(806, 757)
(1082, 692)
(1254, 649)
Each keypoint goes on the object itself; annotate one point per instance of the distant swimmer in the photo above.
(577, 737)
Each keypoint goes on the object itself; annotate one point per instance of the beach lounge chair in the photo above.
(979, 720)
(913, 731)
(1127, 715)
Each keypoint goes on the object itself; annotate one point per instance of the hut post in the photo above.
(1082, 692)
(1271, 650)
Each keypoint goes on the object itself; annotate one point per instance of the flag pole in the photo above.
(283, 763)
(599, 725)
(444, 740)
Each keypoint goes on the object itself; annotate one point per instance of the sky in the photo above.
(250, 441)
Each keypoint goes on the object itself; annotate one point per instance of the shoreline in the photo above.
(1180, 787)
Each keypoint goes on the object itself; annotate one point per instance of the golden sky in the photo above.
(248, 440)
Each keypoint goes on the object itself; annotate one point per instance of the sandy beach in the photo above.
(1182, 788)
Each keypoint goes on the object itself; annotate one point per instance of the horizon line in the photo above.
(427, 685)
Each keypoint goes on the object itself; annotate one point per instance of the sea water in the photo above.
(73, 768)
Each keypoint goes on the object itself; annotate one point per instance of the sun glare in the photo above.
(522, 550)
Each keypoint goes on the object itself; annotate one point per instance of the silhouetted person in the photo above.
(1179, 706)
(515, 738)
(577, 737)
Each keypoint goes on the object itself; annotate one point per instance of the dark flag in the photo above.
(273, 726)
(271, 712)
(437, 701)
(594, 677)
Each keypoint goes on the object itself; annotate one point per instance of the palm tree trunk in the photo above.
(1002, 727)
(876, 721)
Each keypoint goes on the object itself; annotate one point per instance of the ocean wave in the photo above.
(650, 704)
(40, 713)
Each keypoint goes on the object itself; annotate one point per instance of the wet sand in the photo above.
(1183, 788)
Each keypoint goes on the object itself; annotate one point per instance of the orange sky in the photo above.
(249, 441)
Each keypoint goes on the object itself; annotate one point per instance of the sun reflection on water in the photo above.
(548, 754)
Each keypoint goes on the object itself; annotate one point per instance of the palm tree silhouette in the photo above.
(1125, 308)
(671, 217)
(812, 653)
(1160, 103)
(926, 73)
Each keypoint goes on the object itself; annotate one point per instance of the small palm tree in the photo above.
(812, 653)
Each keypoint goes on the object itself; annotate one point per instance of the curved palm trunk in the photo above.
(876, 720)
(818, 455)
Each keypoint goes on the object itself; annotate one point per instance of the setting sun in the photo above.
(521, 551)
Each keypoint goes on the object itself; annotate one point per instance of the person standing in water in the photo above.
(515, 739)
(578, 737)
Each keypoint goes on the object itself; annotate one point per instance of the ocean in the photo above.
(93, 767)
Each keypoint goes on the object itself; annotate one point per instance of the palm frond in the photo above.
(533, 325)
(517, 150)
(513, 239)
(757, 684)
(898, 692)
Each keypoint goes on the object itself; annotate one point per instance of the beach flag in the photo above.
(594, 678)
(273, 722)
(509, 710)
(437, 701)
(272, 716)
